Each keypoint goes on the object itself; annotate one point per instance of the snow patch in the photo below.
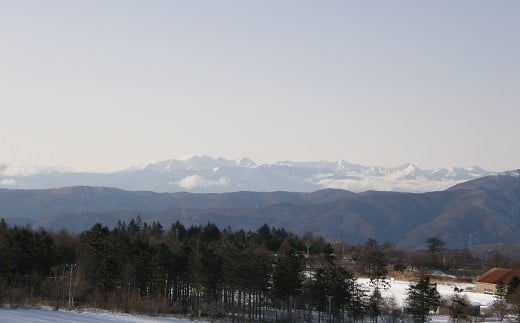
(48, 316)
(399, 291)
(245, 162)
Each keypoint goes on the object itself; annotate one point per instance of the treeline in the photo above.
(265, 275)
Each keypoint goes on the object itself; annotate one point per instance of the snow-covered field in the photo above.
(398, 290)
(47, 316)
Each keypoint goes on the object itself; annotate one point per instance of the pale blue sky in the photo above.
(98, 85)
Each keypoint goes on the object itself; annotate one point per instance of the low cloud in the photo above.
(7, 182)
(19, 169)
(196, 181)
(419, 185)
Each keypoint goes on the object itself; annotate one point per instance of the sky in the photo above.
(103, 84)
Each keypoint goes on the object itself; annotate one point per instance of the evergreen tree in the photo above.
(210, 233)
(422, 299)
(3, 226)
(358, 303)
(156, 230)
(333, 288)
(375, 300)
(435, 245)
(178, 231)
(99, 259)
(277, 236)
(458, 307)
(499, 305)
(513, 285)
(288, 278)
(514, 300)
(25, 256)
(264, 233)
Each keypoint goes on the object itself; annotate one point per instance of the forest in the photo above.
(204, 271)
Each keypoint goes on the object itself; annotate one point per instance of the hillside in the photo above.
(483, 211)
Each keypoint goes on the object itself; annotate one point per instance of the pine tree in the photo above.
(3, 226)
(422, 298)
(375, 300)
(499, 305)
(358, 303)
(288, 278)
(514, 300)
(435, 245)
(458, 307)
(333, 288)
(514, 283)
(101, 263)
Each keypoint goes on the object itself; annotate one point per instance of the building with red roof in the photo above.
(488, 281)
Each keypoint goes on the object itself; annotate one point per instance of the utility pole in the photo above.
(71, 266)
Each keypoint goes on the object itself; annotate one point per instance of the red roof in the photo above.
(498, 275)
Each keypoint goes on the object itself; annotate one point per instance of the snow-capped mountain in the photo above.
(207, 174)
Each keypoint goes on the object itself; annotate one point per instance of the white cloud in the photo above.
(7, 182)
(420, 185)
(196, 181)
(19, 169)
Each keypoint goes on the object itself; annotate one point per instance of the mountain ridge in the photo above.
(203, 174)
(478, 212)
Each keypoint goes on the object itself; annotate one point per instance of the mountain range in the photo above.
(202, 174)
(482, 211)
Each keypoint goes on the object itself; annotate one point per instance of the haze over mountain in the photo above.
(479, 212)
(205, 174)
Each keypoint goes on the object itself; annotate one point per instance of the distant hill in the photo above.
(30, 205)
(479, 212)
(499, 181)
(202, 174)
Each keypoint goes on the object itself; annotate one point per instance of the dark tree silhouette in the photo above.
(422, 299)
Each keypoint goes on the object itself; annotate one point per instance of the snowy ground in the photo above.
(398, 289)
(47, 316)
